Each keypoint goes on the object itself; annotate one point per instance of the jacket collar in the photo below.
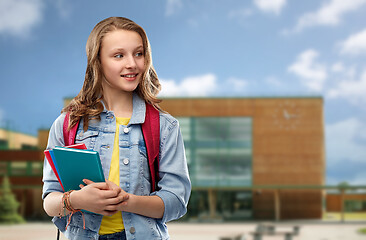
(138, 109)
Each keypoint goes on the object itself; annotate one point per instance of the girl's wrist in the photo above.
(73, 200)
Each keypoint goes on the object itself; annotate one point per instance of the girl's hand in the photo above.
(118, 200)
(112, 186)
(101, 198)
(122, 194)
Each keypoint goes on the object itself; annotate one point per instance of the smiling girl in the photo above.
(119, 81)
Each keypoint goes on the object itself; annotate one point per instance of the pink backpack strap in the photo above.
(151, 133)
(69, 136)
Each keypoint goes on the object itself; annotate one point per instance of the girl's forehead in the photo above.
(120, 38)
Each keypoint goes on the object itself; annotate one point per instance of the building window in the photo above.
(22, 169)
(3, 168)
(29, 147)
(355, 205)
(19, 168)
(219, 150)
(36, 168)
(4, 144)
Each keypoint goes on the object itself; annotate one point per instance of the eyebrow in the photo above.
(122, 49)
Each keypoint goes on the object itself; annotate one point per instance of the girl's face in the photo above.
(123, 61)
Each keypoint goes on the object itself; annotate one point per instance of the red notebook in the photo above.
(51, 162)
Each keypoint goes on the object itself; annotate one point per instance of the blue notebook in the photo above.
(55, 164)
(74, 165)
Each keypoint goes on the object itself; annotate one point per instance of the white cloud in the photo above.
(342, 143)
(352, 90)
(172, 6)
(337, 67)
(311, 73)
(63, 8)
(270, 6)
(19, 17)
(330, 14)
(355, 44)
(341, 71)
(191, 86)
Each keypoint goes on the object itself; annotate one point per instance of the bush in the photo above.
(8, 204)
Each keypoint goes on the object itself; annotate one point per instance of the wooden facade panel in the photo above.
(288, 144)
(21, 155)
(204, 107)
(22, 181)
(286, 116)
(263, 178)
(294, 204)
(43, 138)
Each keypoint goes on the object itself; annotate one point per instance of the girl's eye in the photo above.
(118, 56)
(139, 54)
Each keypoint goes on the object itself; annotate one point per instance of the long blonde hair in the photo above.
(87, 104)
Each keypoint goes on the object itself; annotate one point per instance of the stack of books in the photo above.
(74, 163)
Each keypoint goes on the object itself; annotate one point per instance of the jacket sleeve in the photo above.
(55, 138)
(174, 184)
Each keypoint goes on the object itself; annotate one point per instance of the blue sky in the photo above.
(200, 48)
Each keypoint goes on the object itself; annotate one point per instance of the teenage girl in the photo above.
(120, 79)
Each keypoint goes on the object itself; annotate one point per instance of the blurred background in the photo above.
(270, 95)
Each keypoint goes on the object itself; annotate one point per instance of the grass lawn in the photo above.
(335, 216)
(354, 216)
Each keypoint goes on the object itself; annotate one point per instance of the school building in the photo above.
(10, 139)
(253, 157)
(21, 160)
(249, 158)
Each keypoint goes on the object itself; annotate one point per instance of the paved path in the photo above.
(200, 231)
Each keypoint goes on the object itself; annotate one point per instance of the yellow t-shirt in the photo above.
(114, 223)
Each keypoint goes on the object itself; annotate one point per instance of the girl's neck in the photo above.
(120, 104)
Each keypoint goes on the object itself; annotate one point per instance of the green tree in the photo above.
(8, 204)
(343, 184)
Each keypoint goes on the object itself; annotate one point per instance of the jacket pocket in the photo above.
(88, 138)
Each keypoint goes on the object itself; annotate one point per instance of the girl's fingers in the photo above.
(113, 186)
(103, 185)
(87, 181)
(99, 185)
(109, 194)
(113, 201)
(116, 200)
(115, 207)
(125, 197)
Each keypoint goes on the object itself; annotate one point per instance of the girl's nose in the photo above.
(130, 63)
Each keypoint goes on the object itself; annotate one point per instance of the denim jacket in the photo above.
(174, 184)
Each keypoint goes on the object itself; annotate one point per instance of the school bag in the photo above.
(150, 131)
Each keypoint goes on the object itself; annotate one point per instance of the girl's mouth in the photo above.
(130, 75)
